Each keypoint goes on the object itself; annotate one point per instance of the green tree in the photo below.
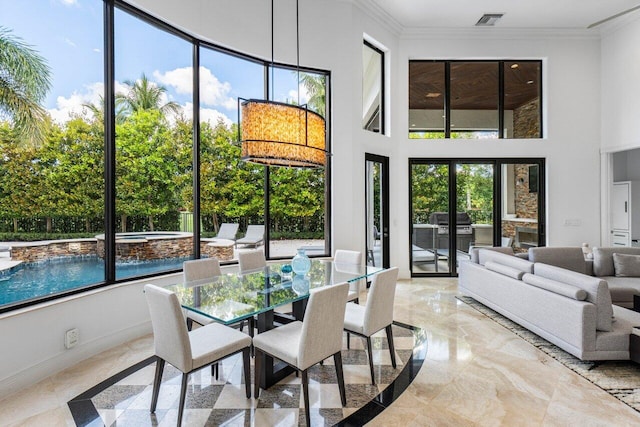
(145, 95)
(25, 79)
(316, 89)
(146, 168)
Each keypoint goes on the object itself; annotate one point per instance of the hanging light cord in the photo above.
(298, 46)
(272, 56)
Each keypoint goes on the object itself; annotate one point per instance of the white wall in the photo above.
(621, 87)
(331, 38)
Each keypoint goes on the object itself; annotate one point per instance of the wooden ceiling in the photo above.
(474, 84)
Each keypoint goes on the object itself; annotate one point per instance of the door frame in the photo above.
(497, 164)
(384, 200)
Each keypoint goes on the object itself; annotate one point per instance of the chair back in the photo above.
(228, 231)
(379, 309)
(321, 334)
(255, 231)
(170, 335)
(251, 260)
(343, 256)
(198, 269)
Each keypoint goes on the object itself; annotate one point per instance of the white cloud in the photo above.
(72, 106)
(212, 91)
(69, 2)
(69, 42)
(95, 49)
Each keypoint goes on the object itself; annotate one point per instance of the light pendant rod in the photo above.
(278, 134)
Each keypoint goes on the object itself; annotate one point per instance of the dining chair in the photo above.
(189, 351)
(251, 260)
(346, 257)
(194, 270)
(375, 315)
(303, 344)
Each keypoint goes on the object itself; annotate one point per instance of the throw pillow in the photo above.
(626, 265)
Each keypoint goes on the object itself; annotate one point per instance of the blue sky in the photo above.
(69, 34)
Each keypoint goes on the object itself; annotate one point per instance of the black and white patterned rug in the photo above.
(619, 378)
(124, 399)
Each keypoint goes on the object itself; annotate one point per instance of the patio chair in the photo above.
(227, 231)
(254, 236)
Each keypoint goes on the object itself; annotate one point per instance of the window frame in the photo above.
(500, 63)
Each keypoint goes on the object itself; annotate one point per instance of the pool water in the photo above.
(41, 279)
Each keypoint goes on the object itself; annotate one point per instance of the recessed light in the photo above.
(530, 82)
(433, 94)
(514, 66)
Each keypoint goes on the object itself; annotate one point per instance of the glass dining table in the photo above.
(234, 297)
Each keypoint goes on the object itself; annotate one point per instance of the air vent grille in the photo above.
(488, 19)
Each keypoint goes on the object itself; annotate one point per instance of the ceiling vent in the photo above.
(488, 19)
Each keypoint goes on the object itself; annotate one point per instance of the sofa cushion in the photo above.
(554, 286)
(504, 269)
(626, 265)
(520, 264)
(474, 251)
(571, 258)
(603, 259)
(597, 290)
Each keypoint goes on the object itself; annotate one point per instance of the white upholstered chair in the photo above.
(189, 351)
(193, 271)
(303, 344)
(377, 314)
(346, 258)
(251, 260)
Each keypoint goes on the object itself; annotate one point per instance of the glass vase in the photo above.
(301, 263)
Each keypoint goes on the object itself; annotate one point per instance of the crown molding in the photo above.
(612, 26)
(375, 12)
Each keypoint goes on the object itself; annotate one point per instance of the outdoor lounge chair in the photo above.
(227, 231)
(253, 237)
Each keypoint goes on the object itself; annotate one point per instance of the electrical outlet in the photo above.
(71, 338)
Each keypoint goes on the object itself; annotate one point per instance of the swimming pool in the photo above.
(34, 280)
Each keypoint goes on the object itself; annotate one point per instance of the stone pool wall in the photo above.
(41, 251)
(127, 249)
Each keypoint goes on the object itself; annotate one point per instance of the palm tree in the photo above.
(98, 110)
(315, 86)
(145, 95)
(25, 79)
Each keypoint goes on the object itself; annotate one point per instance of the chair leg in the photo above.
(305, 393)
(257, 360)
(373, 380)
(391, 347)
(252, 327)
(337, 361)
(348, 340)
(183, 395)
(189, 323)
(156, 383)
(215, 371)
(246, 361)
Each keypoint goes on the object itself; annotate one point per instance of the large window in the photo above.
(124, 182)
(475, 99)
(372, 88)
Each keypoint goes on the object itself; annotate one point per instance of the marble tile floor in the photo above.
(475, 373)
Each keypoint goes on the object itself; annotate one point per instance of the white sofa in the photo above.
(569, 309)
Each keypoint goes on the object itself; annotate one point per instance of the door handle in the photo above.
(625, 207)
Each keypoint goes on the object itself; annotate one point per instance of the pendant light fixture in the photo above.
(279, 134)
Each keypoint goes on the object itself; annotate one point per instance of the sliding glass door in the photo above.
(377, 210)
(454, 203)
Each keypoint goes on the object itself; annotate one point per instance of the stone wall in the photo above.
(526, 120)
(526, 203)
(41, 251)
(150, 249)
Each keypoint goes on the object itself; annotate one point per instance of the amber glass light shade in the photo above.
(278, 134)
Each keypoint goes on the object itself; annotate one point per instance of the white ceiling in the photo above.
(542, 14)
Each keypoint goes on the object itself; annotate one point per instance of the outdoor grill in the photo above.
(464, 230)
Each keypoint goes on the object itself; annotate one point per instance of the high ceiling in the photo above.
(531, 14)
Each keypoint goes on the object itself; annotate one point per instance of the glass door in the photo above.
(377, 210)
(521, 191)
(430, 191)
